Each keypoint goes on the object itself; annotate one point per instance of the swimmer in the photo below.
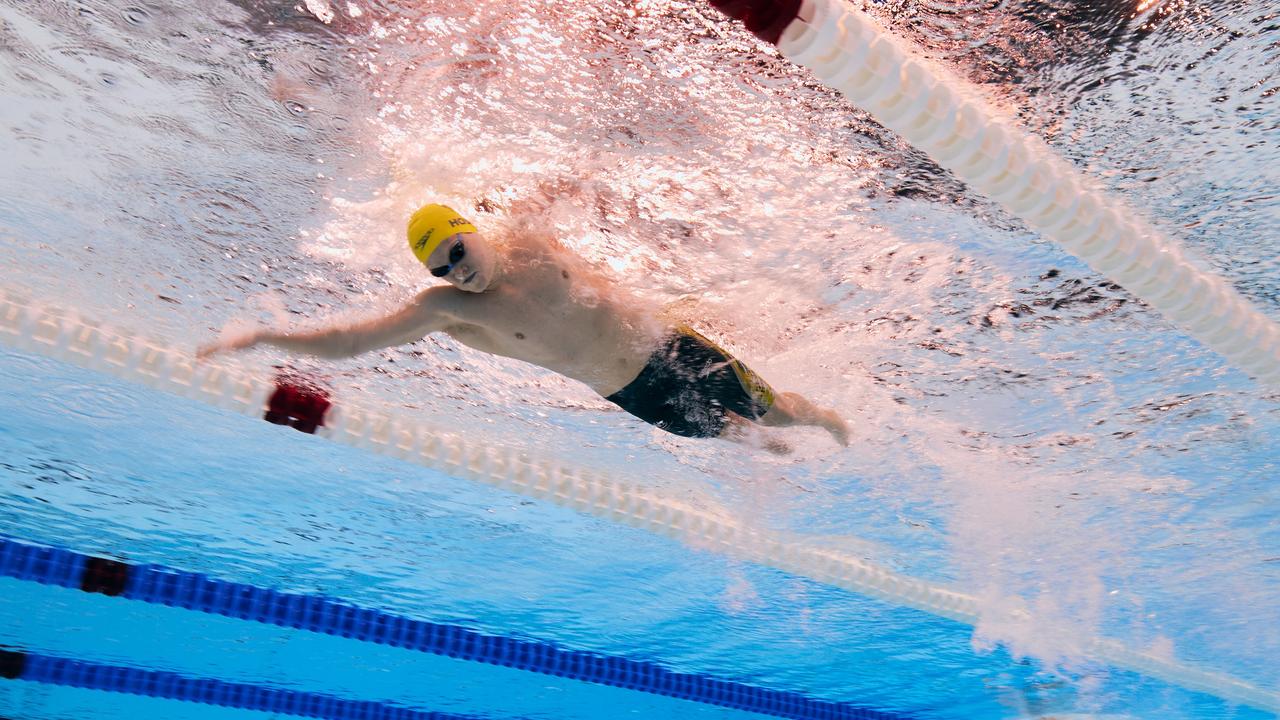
(526, 297)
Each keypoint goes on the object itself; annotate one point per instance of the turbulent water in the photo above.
(1026, 430)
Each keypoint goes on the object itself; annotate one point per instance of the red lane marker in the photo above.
(298, 404)
(766, 19)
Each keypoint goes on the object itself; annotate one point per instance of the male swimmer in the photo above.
(528, 298)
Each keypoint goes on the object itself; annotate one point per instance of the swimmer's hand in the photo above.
(242, 341)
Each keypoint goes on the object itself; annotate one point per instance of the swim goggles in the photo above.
(456, 254)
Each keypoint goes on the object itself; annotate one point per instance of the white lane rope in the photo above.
(846, 49)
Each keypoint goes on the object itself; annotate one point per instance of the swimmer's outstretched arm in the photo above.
(421, 317)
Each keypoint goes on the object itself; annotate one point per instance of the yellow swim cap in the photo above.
(429, 227)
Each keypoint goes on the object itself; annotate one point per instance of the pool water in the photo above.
(1026, 431)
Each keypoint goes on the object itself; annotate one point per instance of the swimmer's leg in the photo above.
(792, 409)
(741, 430)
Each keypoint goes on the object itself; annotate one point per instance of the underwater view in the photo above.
(1024, 432)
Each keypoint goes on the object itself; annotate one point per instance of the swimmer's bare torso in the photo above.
(527, 298)
(549, 308)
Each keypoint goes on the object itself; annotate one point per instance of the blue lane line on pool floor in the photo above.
(50, 670)
(314, 613)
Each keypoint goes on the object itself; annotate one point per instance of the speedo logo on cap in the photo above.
(422, 242)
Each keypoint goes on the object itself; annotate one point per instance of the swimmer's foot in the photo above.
(835, 425)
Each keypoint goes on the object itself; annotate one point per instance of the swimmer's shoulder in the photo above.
(532, 244)
(443, 300)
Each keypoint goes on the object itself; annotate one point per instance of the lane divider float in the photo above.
(849, 52)
(16, 664)
(328, 616)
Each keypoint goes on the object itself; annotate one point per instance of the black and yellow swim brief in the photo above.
(690, 384)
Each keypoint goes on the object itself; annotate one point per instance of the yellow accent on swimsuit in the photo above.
(755, 385)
